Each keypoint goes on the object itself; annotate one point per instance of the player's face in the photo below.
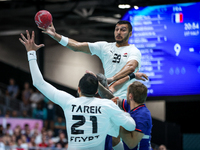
(121, 33)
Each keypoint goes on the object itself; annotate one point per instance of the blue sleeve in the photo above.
(125, 105)
(142, 123)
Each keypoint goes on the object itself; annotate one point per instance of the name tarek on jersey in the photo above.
(86, 109)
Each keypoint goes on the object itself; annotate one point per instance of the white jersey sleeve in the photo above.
(120, 118)
(135, 55)
(55, 95)
(96, 48)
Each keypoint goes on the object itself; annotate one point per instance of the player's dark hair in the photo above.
(125, 22)
(88, 85)
(139, 92)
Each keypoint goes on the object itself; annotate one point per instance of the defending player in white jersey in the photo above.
(118, 58)
(88, 119)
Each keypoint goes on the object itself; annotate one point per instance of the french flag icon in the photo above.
(177, 17)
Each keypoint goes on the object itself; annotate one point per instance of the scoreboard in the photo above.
(168, 37)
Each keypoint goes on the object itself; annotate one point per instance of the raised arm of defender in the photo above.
(45, 88)
(67, 42)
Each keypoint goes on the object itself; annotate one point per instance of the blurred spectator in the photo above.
(49, 134)
(43, 143)
(24, 142)
(50, 106)
(24, 114)
(62, 141)
(7, 114)
(1, 130)
(59, 125)
(14, 114)
(35, 129)
(14, 139)
(35, 98)
(26, 131)
(39, 112)
(32, 143)
(8, 129)
(12, 89)
(51, 144)
(38, 137)
(162, 147)
(26, 127)
(25, 106)
(26, 93)
(2, 145)
(6, 139)
(20, 145)
(17, 132)
(12, 145)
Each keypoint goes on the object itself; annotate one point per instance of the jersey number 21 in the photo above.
(81, 122)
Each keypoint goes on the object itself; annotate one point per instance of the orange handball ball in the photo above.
(43, 18)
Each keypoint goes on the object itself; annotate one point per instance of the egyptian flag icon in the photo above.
(177, 17)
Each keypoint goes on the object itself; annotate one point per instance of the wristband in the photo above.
(64, 41)
(131, 76)
(31, 55)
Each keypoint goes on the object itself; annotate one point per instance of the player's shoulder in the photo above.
(143, 112)
(107, 102)
(133, 47)
(101, 42)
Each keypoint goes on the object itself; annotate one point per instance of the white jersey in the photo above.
(88, 120)
(114, 59)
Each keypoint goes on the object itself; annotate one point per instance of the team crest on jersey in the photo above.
(125, 55)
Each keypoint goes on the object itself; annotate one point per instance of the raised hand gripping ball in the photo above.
(43, 18)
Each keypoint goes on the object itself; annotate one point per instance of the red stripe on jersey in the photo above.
(138, 107)
(123, 105)
(138, 130)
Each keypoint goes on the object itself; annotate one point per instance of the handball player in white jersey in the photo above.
(119, 58)
(88, 119)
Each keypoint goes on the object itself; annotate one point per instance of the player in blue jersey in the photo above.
(106, 92)
(134, 105)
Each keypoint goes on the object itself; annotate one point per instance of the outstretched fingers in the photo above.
(145, 76)
(21, 41)
(28, 35)
(23, 37)
(33, 36)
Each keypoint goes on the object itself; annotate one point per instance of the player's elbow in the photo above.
(131, 145)
(131, 68)
(37, 83)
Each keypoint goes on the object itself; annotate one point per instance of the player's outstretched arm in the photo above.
(119, 83)
(65, 41)
(131, 138)
(127, 69)
(48, 90)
